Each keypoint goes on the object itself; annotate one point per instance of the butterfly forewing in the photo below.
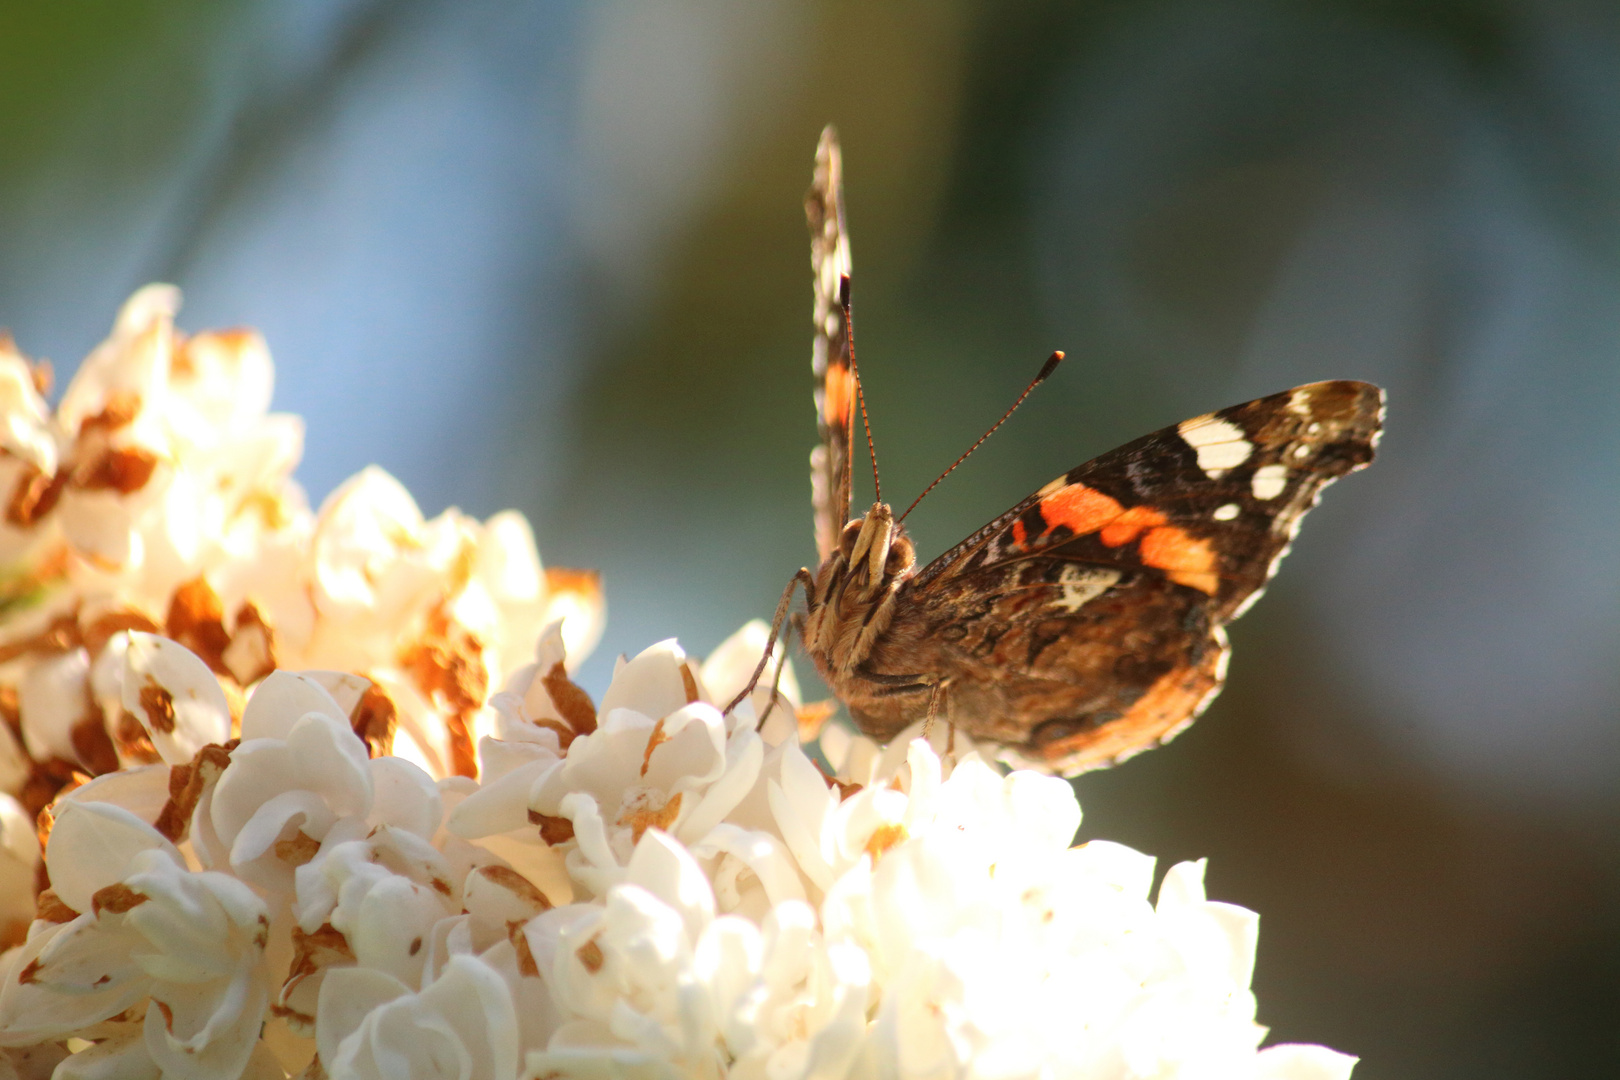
(829, 358)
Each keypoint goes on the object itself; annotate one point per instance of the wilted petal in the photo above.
(174, 696)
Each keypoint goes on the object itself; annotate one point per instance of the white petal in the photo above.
(404, 796)
(652, 684)
(122, 1057)
(664, 867)
(1303, 1061)
(283, 699)
(52, 697)
(92, 846)
(347, 996)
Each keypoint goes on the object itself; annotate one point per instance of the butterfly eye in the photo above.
(902, 555)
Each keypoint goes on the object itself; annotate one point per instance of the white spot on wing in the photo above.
(1299, 402)
(1269, 481)
(1083, 584)
(1226, 512)
(1220, 445)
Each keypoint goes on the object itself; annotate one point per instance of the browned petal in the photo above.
(689, 682)
(883, 838)
(46, 780)
(586, 583)
(520, 945)
(448, 663)
(120, 408)
(844, 790)
(158, 704)
(375, 720)
(104, 626)
(323, 948)
(186, 785)
(553, 830)
(11, 711)
(590, 954)
(297, 849)
(34, 495)
(640, 821)
(573, 704)
(251, 654)
(132, 740)
(116, 899)
(196, 619)
(92, 743)
(124, 469)
(519, 886)
(812, 717)
(565, 734)
(50, 908)
(654, 741)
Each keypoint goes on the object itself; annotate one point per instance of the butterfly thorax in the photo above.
(856, 591)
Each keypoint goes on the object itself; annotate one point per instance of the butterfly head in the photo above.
(876, 549)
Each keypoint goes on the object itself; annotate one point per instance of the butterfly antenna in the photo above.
(860, 394)
(1040, 377)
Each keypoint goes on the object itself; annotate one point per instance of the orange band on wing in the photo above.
(1084, 510)
(1185, 559)
(840, 395)
(1129, 525)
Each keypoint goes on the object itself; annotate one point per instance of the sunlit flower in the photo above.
(650, 887)
(157, 497)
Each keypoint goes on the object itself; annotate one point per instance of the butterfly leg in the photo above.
(776, 682)
(782, 605)
(937, 688)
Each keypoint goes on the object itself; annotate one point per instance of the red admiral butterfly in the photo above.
(1086, 623)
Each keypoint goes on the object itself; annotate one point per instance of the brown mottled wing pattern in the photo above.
(830, 359)
(1085, 624)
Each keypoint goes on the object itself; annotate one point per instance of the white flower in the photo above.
(374, 1027)
(650, 888)
(158, 498)
(187, 946)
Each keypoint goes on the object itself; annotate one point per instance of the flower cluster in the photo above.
(648, 888)
(157, 497)
(359, 821)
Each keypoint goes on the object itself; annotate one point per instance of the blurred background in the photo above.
(552, 255)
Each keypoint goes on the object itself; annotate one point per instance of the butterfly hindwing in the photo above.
(1085, 624)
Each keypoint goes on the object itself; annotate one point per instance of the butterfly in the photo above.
(1087, 623)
